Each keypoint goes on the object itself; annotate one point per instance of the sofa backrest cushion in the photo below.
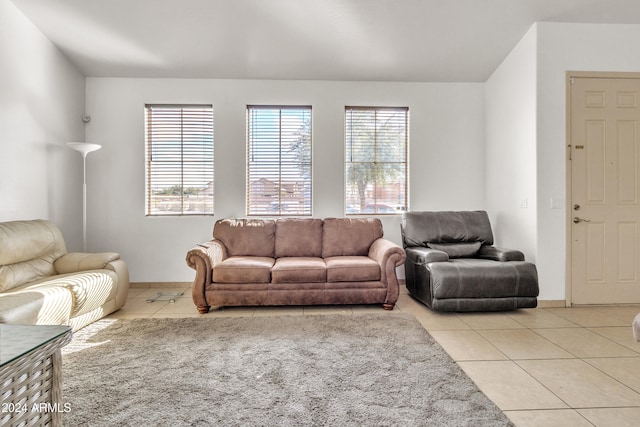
(27, 251)
(349, 236)
(248, 237)
(298, 237)
(420, 228)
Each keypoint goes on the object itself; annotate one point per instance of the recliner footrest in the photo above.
(483, 304)
(477, 278)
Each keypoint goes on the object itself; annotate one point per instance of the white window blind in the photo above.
(376, 142)
(179, 157)
(279, 160)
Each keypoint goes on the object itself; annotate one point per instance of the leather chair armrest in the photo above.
(500, 254)
(79, 261)
(422, 256)
(636, 327)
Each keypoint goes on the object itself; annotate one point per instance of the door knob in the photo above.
(577, 220)
(576, 207)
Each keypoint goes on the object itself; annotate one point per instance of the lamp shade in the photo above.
(84, 147)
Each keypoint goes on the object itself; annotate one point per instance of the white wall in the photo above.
(446, 156)
(41, 105)
(567, 47)
(510, 149)
(526, 136)
(43, 98)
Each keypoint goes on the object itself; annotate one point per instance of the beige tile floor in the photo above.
(543, 367)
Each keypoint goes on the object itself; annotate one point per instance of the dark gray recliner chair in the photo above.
(452, 264)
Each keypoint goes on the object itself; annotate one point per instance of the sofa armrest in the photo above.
(421, 256)
(120, 268)
(384, 251)
(211, 253)
(500, 254)
(79, 261)
(389, 256)
(202, 258)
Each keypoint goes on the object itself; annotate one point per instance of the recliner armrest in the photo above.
(421, 256)
(80, 261)
(500, 254)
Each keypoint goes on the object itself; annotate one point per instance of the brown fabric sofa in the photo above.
(296, 261)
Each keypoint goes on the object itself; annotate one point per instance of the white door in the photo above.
(605, 182)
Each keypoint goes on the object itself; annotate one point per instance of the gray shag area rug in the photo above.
(323, 370)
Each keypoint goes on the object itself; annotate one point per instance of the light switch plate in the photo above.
(556, 203)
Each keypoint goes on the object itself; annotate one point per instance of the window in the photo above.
(376, 141)
(179, 155)
(278, 160)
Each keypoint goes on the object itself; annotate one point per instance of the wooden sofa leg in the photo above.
(203, 309)
(388, 306)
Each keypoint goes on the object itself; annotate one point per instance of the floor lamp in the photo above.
(84, 148)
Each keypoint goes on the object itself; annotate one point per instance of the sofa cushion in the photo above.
(20, 307)
(243, 269)
(297, 237)
(349, 236)
(246, 237)
(457, 250)
(53, 307)
(299, 270)
(29, 249)
(89, 289)
(352, 269)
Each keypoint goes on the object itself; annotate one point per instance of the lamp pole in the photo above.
(84, 148)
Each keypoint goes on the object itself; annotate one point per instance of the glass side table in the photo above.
(31, 374)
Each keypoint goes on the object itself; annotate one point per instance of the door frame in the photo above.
(568, 189)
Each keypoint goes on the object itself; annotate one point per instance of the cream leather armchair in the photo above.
(40, 283)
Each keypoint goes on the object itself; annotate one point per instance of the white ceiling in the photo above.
(380, 40)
